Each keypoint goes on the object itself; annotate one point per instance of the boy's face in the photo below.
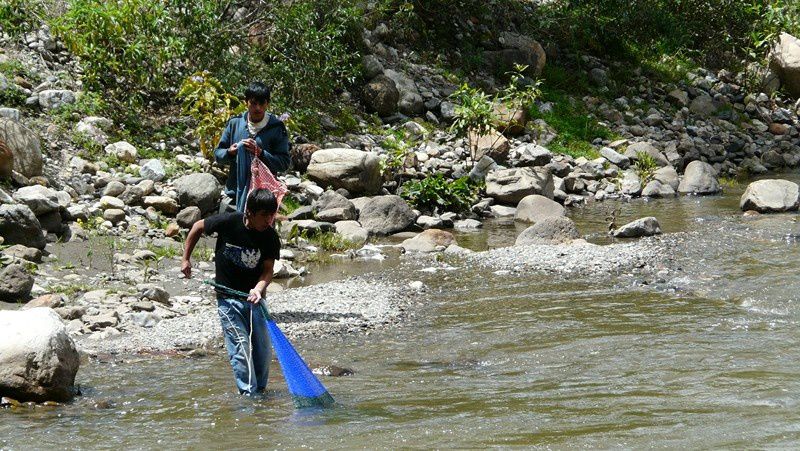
(258, 221)
(256, 110)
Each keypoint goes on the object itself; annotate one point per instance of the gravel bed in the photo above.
(577, 258)
(353, 305)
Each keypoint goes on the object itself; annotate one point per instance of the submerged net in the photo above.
(262, 178)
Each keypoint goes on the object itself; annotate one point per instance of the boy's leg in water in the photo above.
(235, 318)
(261, 349)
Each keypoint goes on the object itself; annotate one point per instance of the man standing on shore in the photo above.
(253, 134)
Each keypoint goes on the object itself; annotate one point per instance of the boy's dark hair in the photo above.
(261, 200)
(257, 91)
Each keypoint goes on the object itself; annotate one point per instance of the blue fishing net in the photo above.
(306, 389)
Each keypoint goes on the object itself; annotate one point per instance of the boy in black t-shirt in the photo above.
(246, 250)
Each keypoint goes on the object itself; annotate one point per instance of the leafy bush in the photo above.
(646, 166)
(205, 100)
(437, 193)
(19, 16)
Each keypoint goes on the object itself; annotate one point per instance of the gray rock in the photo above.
(770, 195)
(114, 188)
(785, 61)
(133, 195)
(18, 225)
(598, 76)
(667, 176)
(411, 102)
(10, 113)
(102, 320)
(302, 212)
(310, 226)
(153, 170)
(163, 204)
(431, 240)
(114, 215)
(534, 208)
(331, 199)
(655, 188)
(372, 66)
(699, 178)
(509, 186)
(107, 202)
(482, 167)
(123, 150)
(38, 198)
(15, 283)
(337, 214)
(30, 254)
(703, 105)
(533, 155)
(630, 184)
(430, 222)
(352, 231)
(384, 215)
(678, 97)
(615, 157)
(356, 171)
(188, 216)
(635, 149)
(38, 359)
(153, 293)
(468, 224)
(641, 227)
(24, 146)
(551, 230)
(381, 95)
(51, 222)
(201, 190)
(53, 98)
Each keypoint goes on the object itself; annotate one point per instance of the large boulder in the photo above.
(534, 208)
(356, 171)
(24, 146)
(785, 61)
(699, 178)
(509, 186)
(430, 240)
(383, 215)
(18, 225)
(38, 198)
(553, 230)
(38, 359)
(641, 227)
(201, 190)
(768, 196)
(517, 49)
(410, 102)
(381, 95)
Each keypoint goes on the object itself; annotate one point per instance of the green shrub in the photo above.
(437, 193)
(206, 101)
(19, 16)
(646, 166)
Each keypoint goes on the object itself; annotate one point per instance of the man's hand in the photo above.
(252, 146)
(186, 268)
(232, 149)
(254, 296)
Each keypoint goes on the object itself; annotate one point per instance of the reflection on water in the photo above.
(706, 359)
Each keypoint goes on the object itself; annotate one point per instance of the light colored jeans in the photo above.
(247, 342)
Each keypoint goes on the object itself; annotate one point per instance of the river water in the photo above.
(707, 357)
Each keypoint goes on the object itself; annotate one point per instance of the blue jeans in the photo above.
(247, 342)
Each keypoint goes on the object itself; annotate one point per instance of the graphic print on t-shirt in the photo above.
(242, 257)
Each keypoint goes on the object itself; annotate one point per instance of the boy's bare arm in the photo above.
(266, 277)
(191, 241)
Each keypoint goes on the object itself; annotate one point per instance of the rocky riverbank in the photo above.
(671, 139)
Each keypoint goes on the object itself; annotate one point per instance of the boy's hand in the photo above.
(186, 268)
(233, 149)
(254, 296)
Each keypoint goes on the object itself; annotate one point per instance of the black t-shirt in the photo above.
(240, 252)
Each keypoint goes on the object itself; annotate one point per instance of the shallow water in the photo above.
(705, 358)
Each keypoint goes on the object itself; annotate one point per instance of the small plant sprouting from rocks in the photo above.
(646, 166)
(327, 241)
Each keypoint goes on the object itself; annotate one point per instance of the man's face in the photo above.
(258, 221)
(256, 110)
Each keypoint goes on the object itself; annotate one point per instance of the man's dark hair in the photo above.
(261, 200)
(257, 91)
